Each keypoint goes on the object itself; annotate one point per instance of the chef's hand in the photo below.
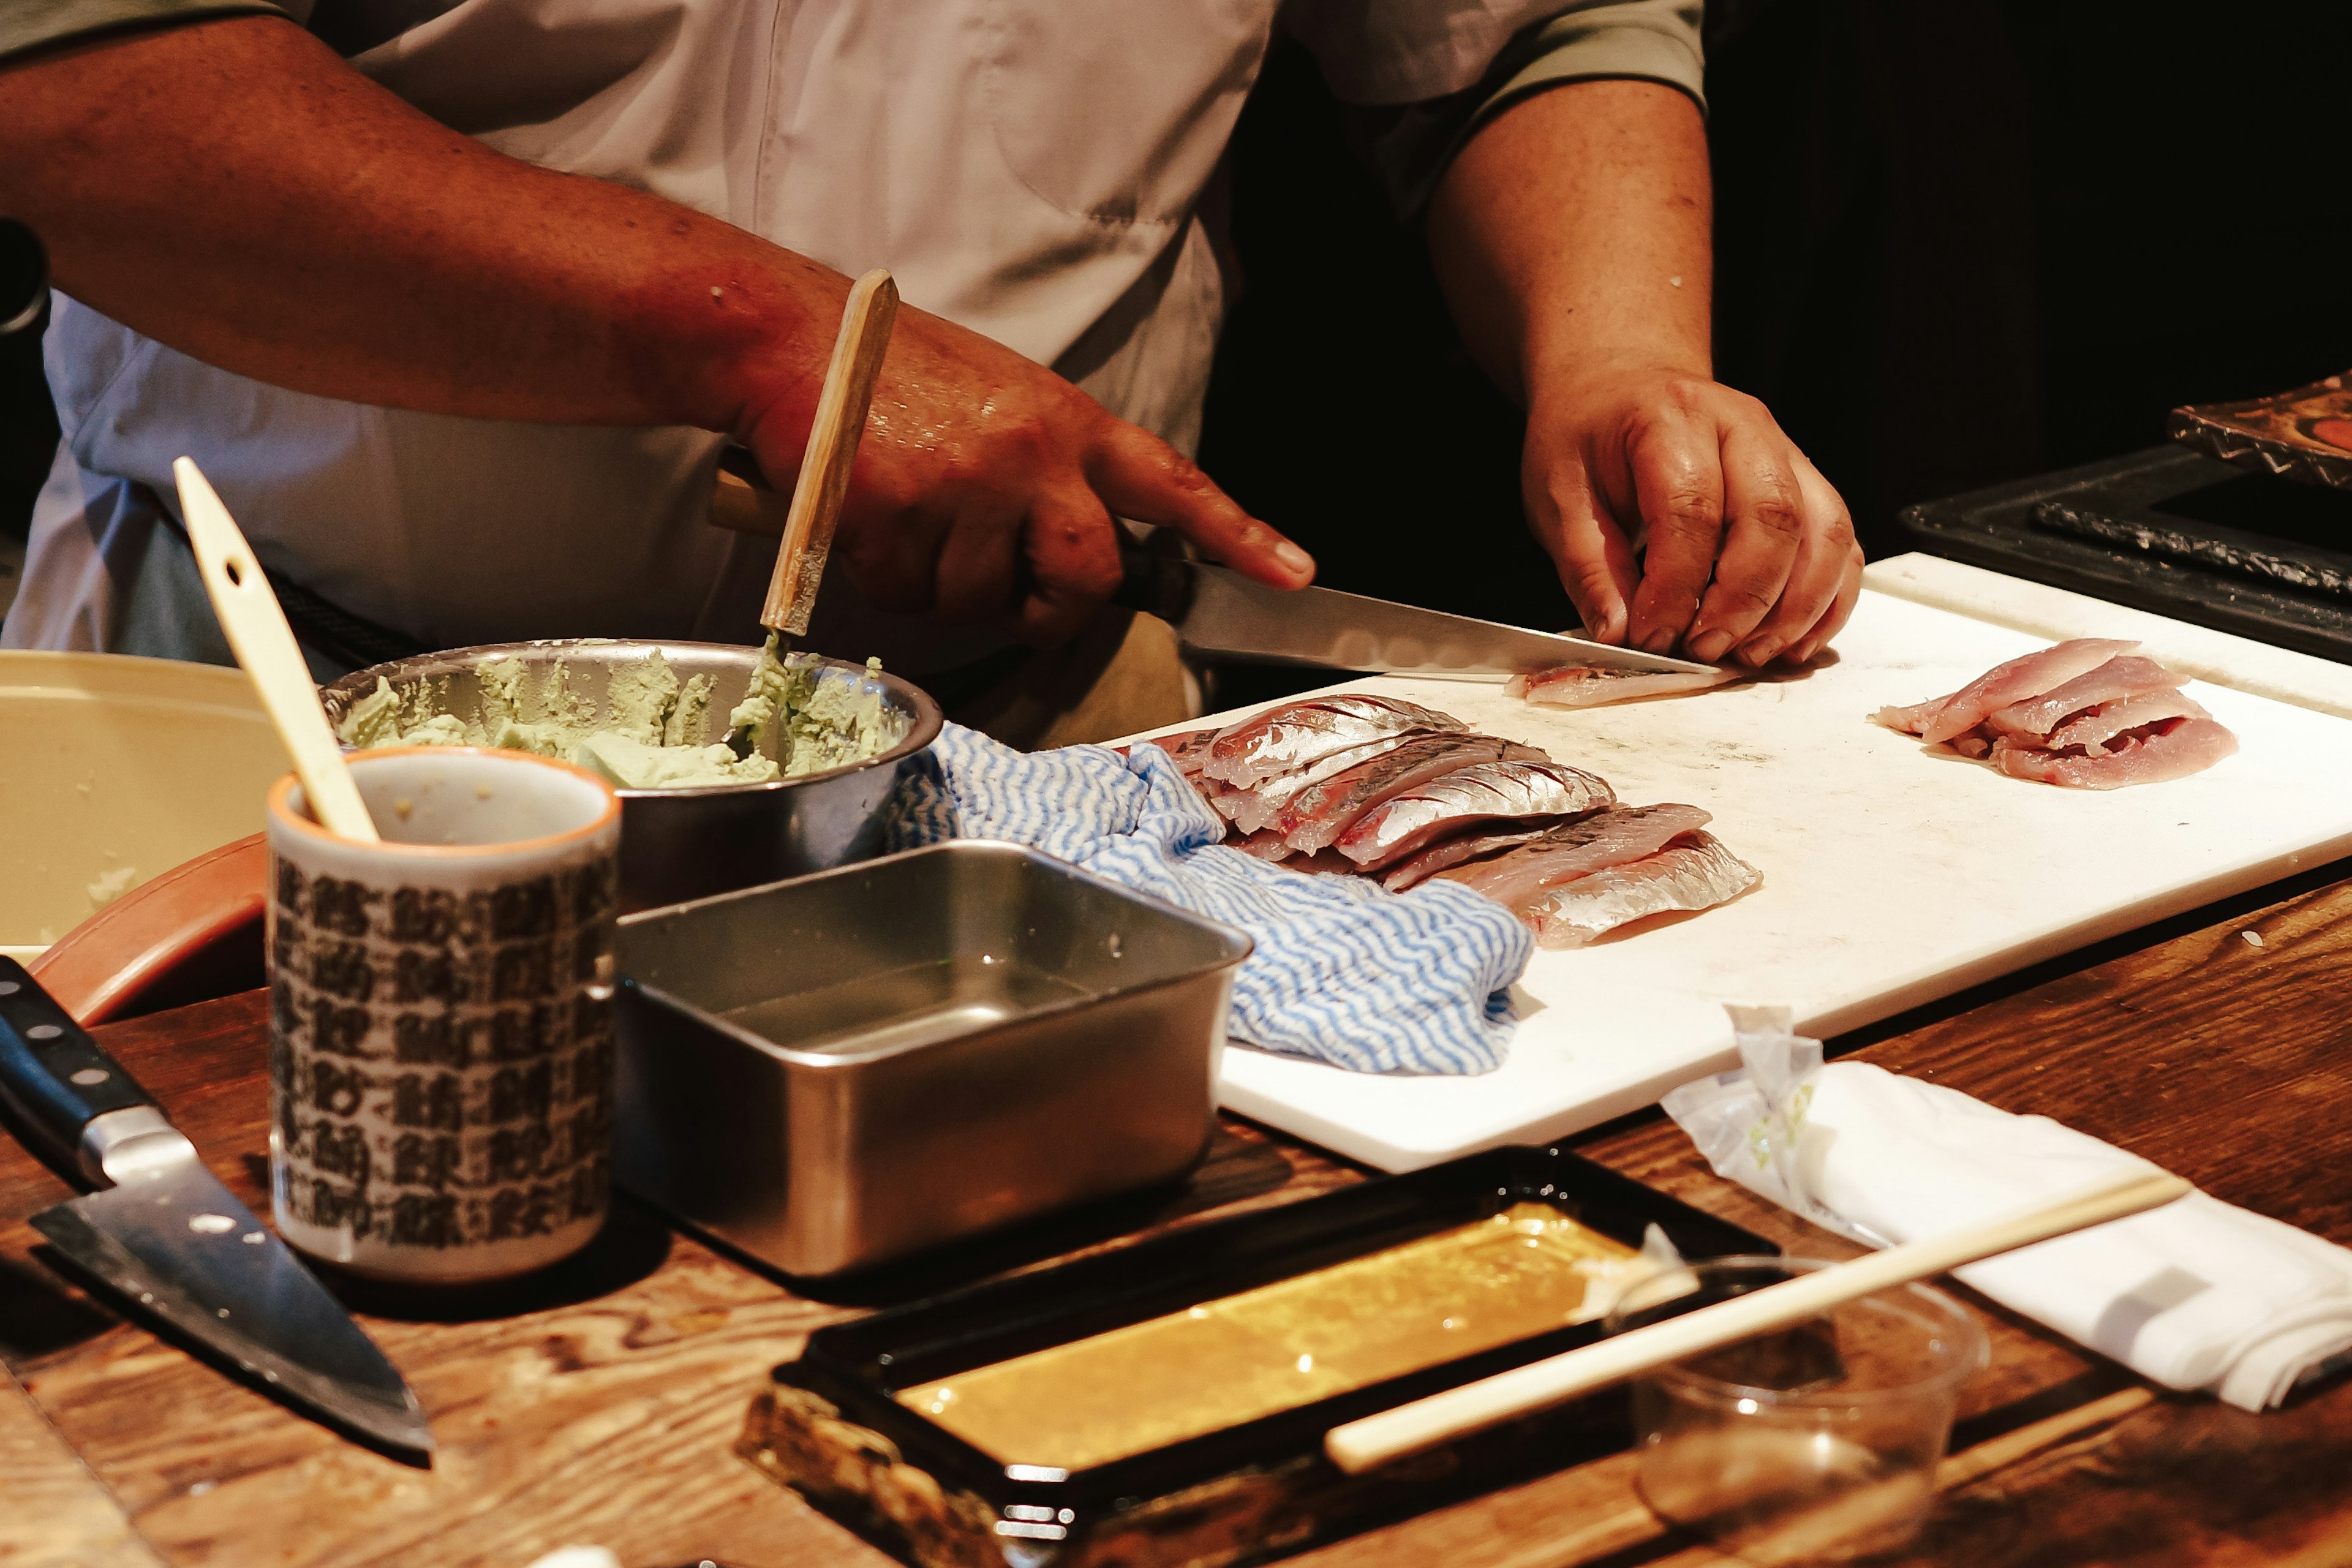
(1751, 556)
(985, 486)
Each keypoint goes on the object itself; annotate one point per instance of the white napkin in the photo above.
(2195, 1295)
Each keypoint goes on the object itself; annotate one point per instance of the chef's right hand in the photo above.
(985, 486)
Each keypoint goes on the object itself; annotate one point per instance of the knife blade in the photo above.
(1221, 613)
(168, 1236)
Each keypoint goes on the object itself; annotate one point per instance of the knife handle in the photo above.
(1157, 585)
(52, 1074)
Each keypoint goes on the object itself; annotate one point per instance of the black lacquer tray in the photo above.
(830, 1427)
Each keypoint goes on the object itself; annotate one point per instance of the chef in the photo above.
(458, 304)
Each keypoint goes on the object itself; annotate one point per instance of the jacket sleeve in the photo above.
(28, 25)
(1411, 136)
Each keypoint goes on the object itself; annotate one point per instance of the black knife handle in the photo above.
(1157, 585)
(52, 1074)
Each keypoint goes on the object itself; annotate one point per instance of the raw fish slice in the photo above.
(1324, 811)
(1611, 838)
(1590, 685)
(1267, 798)
(2167, 749)
(1190, 749)
(2094, 729)
(1487, 792)
(2118, 680)
(1694, 872)
(1972, 744)
(1266, 845)
(1296, 734)
(1419, 868)
(1911, 719)
(2015, 682)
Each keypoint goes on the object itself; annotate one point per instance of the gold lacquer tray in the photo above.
(1165, 1403)
(2306, 433)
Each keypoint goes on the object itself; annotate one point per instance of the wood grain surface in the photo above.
(597, 1407)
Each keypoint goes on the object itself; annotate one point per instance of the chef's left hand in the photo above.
(1751, 556)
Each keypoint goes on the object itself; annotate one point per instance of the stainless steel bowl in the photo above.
(682, 844)
(843, 1069)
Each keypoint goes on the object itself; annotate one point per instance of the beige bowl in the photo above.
(112, 771)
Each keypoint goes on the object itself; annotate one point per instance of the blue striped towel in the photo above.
(1344, 971)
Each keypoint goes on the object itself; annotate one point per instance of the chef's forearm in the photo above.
(234, 190)
(1570, 235)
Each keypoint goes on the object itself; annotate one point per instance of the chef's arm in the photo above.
(234, 189)
(1570, 235)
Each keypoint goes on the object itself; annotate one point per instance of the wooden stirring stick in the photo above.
(833, 445)
(1363, 1445)
(263, 643)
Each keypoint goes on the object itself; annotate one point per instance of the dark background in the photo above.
(1959, 242)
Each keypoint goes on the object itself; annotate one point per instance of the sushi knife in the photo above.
(164, 1233)
(1223, 614)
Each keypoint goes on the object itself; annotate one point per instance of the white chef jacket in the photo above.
(1027, 168)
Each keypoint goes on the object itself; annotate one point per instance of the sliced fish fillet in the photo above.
(1517, 877)
(2118, 680)
(1590, 685)
(1694, 872)
(1295, 734)
(2167, 749)
(1263, 801)
(1485, 793)
(1266, 845)
(2092, 730)
(1190, 750)
(1322, 812)
(2003, 684)
(1427, 862)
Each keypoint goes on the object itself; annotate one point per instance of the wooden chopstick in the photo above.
(841, 406)
(1456, 1413)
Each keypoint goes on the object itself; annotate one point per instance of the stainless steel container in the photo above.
(839, 1070)
(681, 844)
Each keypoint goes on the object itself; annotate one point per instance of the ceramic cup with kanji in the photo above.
(440, 1039)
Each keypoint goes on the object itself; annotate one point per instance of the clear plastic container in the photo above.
(1817, 1444)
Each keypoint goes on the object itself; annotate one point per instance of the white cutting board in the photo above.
(1893, 875)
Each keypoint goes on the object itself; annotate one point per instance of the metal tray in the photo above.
(681, 844)
(836, 1071)
(831, 1427)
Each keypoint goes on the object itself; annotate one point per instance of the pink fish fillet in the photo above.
(1590, 685)
(2094, 729)
(1488, 791)
(2118, 680)
(2003, 684)
(1694, 872)
(1425, 863)
(1517, 877)
(2168, 749)
(1294, 734)
(1266, 845)
(1324, 811)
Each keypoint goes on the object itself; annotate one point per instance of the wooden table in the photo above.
(598, 1408)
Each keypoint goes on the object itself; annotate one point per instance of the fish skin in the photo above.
(2094, 729)
(1188, 749)
(1611, 838)
(1322, 812)
(1265, 800)
(1593, 685)
(2118, 679)
(1693, 872)
(1427, 862)
(2018, 680)
(1295, 734)
(1486, 792)
(2168, 750)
